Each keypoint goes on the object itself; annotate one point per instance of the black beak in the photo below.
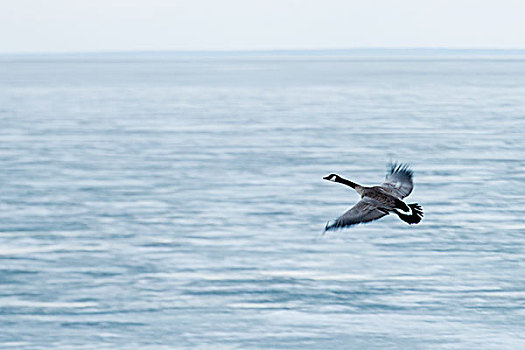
(327, 177)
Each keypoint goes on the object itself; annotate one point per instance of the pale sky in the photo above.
(131, 25)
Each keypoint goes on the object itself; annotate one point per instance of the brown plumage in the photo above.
(378, 201)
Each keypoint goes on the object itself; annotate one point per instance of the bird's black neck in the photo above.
(346, 182)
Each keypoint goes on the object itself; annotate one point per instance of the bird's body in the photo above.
(378, 201)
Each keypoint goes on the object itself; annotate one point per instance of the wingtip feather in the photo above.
(400, 168)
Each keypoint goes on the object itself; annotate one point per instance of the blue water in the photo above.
(168, 201)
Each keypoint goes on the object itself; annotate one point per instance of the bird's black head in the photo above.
(331, 177)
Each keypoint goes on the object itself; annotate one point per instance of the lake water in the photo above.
(176, 201)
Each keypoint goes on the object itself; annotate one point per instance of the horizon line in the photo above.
(276, 50)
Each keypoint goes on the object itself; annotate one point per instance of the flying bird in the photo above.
(378, 201)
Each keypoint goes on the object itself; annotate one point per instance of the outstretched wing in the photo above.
(399, 180)
(365, 210)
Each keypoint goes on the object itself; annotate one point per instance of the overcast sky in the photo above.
(115, 25)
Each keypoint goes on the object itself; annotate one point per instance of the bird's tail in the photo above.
(414, 216)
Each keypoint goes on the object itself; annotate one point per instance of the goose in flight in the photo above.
(378, 201)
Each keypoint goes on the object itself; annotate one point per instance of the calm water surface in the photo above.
(177, 202)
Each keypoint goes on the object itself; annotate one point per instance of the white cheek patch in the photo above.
(333, 178)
